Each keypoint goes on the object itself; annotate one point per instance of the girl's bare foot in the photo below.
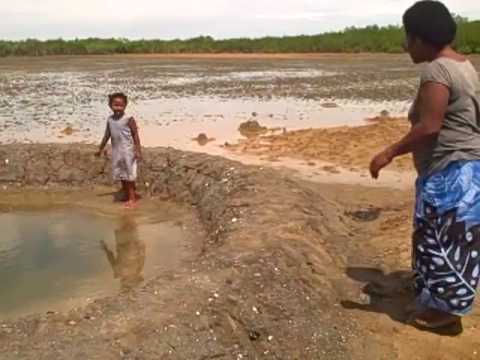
(130, 204)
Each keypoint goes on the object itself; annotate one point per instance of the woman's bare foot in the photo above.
(412, 309)
(434, 319)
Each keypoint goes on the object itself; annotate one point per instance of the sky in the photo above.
(168, 19)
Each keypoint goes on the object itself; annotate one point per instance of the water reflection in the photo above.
(129, 261)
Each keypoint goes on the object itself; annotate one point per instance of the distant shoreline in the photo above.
(218, 55)
(222, 56)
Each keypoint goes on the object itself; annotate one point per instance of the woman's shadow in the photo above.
(392, 294)
(129, 261)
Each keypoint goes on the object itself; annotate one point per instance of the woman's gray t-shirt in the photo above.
(459, 137)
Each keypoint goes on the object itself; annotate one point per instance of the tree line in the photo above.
(387, 39)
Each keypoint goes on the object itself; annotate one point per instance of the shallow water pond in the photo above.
(56, 259)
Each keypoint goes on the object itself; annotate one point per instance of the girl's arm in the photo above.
(105, 139)
(136, 138)
(432, 104)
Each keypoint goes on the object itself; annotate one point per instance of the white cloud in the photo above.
(184, 18)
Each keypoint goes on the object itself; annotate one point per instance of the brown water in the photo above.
(53, 260)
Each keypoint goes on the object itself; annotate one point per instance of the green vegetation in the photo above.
(369, 39)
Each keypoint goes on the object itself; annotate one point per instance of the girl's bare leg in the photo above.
(132, 197)
(124, 191)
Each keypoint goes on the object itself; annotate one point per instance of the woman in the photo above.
(445, 142)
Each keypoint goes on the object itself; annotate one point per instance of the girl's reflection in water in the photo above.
(129, 261)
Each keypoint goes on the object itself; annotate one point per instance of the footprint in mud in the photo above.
(365, 215)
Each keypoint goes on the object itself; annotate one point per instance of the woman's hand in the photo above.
(379, 162)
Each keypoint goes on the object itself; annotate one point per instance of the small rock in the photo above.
(72, 323)
(68, 131)
(270, 338)
(329, 105)
(385, 114)
(202, 139)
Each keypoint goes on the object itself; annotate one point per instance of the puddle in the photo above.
(56, 260)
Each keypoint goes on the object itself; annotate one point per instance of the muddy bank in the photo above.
(261, 288)
(287, 269)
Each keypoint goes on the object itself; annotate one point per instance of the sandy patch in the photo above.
(351, 148)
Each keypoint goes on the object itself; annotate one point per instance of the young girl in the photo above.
(126, 149)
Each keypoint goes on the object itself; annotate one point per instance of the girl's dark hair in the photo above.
(117, 95)
(432, 22)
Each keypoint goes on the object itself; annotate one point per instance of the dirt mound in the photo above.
(252, 129)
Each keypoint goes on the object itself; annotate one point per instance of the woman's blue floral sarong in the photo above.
(446, 240)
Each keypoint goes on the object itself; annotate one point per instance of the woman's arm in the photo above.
(136, 138)
(432, 104)
(105, 139)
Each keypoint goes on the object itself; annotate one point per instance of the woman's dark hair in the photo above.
(117, 95)
(432, 22)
